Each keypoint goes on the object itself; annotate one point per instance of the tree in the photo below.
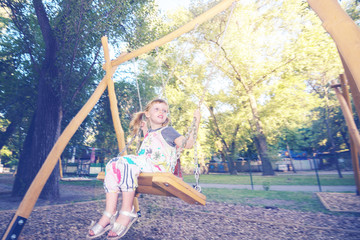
(264, 56)
(62, 43)
(16, 93)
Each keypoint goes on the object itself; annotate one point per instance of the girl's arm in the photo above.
(190, 142)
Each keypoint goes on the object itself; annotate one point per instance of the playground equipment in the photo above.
(26, 206)
(346, 35)
(340, 26)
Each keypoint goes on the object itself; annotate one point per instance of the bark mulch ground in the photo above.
(340, 202)
(171, 218)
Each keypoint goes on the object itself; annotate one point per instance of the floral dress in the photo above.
(155, 155)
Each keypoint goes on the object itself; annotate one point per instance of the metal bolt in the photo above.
(13, 236)
(21, 222)
(166, 184)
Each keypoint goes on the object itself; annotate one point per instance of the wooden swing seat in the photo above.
(166, 184)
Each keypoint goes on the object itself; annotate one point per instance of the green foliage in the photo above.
(77, 28)
(352, 8)
(284, 59)
(273, 66)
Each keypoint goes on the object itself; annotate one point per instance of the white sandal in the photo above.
(99, 230)
(120, 229)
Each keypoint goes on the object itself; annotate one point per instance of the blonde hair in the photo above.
(140, 116)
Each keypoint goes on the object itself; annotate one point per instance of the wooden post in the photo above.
(355, 93)
(354, 133)
(136, 204)
(32, 194)
(60, 168)
(112, 96)
(344, 32)
(354, 151)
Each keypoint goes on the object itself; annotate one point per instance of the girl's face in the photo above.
(157, 114)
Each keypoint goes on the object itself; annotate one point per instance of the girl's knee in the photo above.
(110, 165)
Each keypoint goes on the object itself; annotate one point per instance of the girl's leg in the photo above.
(110, 207)
(127, 205)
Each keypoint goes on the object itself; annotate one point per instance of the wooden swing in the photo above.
(165, 184)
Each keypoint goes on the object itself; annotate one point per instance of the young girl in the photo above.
(156, 154)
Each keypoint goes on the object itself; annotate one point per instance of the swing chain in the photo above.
(138, 142)
(197, 186)
(193, 128)
(129, 143)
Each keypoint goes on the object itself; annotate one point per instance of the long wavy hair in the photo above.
(140, 116)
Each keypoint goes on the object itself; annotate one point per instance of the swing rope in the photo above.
(138, 92)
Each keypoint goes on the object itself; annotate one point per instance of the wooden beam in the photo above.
(355, 93)
(344, 32)
(354, 151)
(27, 204)
(60, 168)
(223, 5)
(112, 96)
(354, 133)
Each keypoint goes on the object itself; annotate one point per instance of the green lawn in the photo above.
(325, 180)
(302, 201)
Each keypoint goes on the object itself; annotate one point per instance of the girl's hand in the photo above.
(197, 115)
(143, 127)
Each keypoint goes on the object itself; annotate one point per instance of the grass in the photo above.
(94, 183)
(301, 201)
(325, 180)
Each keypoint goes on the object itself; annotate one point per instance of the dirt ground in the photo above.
(171, 218)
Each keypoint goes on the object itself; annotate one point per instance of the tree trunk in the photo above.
(232, 165)
(261, 146)
(42, 135)
(226, 151)
(259, 137)
(345, 138)
(46, 123)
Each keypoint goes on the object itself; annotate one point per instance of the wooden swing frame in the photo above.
(27, 204)
(342, 29)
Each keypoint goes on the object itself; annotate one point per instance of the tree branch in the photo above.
(47, 32)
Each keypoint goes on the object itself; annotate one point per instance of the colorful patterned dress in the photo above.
(155, 155)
